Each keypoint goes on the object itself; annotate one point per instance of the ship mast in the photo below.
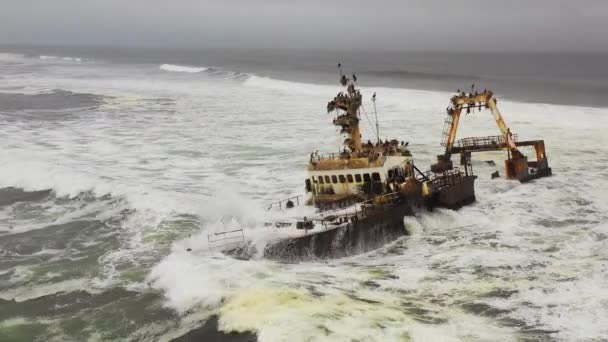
(376, 115)
(349, 102)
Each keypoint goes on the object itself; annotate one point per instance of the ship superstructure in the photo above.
(360, 171)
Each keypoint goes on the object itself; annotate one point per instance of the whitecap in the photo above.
(57, 58)
(182, 68)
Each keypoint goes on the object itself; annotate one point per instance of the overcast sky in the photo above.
(517, 25)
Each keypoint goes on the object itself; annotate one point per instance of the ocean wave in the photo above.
(211, 71)
(291, 86)
(391, 96)
(182, 68)
(60, 58)
(9, 56)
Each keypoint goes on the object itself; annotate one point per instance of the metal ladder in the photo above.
(447, 125)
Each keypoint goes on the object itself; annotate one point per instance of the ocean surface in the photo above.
(115, 162)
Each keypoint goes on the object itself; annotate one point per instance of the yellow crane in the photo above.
(517, 165)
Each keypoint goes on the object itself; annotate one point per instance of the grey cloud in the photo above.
(536, 25)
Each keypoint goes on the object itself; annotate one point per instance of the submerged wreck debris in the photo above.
(517, 165)
(361, 193)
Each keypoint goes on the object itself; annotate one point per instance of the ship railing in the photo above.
(479, 142)
(316, 157)
(446, 178)
(226, 239)
(370, 154)
(287, 203)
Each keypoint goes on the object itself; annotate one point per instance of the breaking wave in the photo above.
(291, 86)
(390, 96)
(182, 68)
(59, 58)
(228, 74)
(211, 71)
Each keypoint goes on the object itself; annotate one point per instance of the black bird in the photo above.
(354, 77)
(374, 97)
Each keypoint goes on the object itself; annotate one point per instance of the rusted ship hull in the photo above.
(353, 237)
(374, 230)
(455, 196)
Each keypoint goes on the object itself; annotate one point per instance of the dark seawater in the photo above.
(53, 100)
(116, 164)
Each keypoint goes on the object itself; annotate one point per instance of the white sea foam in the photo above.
(181, 68)
(289, 86)
(172, 146)
(26, 292)
(61, 58)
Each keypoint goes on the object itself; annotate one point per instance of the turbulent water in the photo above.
(111, 170)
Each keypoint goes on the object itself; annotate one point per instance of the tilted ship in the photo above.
(362, 193)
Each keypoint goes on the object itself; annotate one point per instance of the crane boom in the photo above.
(501, 124)
(517, 165)
(472, 101)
